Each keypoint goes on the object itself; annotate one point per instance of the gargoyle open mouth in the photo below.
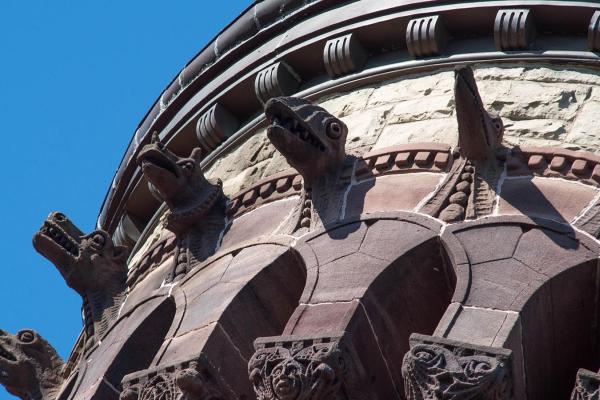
(154, 158)
(7, 355)
(61, 238)
(281, 124)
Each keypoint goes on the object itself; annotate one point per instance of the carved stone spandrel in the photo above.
(316, 368)
(587, 386)
(436, 368)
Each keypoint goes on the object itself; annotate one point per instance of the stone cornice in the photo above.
(468, 36)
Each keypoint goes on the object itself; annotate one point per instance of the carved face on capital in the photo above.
(84, 261)
(311, 139)
(286, 379)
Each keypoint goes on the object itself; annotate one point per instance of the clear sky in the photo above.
(76, 77)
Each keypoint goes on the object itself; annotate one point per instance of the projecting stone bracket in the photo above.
(277, 80)
(513, 29)
(587, 386)
(594, 32)
(343, 55)
(193, 379)
(215, 126)
(426, 36)
(438, 369)
(316, 368)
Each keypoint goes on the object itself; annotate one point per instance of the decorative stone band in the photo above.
(555, 162)
(587, 386)
(437, 368)
(401, 159)
(187, 380)
(158, 253)
(315, 368)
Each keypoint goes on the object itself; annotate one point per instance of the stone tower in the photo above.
(348, 200)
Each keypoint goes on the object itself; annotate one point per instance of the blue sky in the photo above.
(76, 77)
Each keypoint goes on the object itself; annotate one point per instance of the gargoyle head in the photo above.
(311, 139)
(86, 262)
(179, 182)
(29, 366)
(480, 132)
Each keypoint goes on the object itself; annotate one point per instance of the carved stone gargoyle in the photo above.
(470, 188)
(92, 265)
(313, 142)
(30, 368)
(196, 205)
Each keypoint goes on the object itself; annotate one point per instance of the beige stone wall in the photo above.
(540, 106)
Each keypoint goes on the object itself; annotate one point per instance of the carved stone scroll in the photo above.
(215, 126)
(513, 29)
(277, 80)
(343, 55)
(184, 381)
(437, 368)
(425, 36)
(303, 368)
(587, 386)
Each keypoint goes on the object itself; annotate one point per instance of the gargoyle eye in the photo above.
(98, 240)
(334, 130)
(26, 336)
(188, 165)
(59, 217)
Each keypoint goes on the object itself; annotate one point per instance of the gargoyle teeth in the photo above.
(6, 355)
(61, 238)
(296, 129)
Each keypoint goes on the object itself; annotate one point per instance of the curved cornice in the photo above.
(328, 46)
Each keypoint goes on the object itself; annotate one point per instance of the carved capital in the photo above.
(437, 368)
(296, 368)
(184, 381)
(587, 386)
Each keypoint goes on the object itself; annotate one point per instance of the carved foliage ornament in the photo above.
(587, 386)
(303, 371)
(433, 371)
(172, 384)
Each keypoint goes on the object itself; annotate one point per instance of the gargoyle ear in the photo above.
(120, 253)
(197, 154)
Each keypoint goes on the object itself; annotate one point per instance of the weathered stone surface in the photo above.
(551, 198)
(382, 194)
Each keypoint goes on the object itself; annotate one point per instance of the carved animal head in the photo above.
(179, 182)
(311, 139)
(86, 262)
(480, 132)
(29, 365)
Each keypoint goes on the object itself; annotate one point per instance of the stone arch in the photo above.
(530, 286)
(224, 304)
(372, 281)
